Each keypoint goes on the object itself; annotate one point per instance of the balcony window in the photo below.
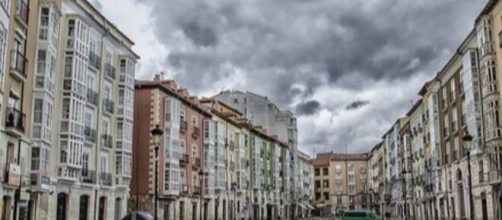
(18, 62)
(22, 11)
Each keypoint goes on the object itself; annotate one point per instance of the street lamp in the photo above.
(202, 174)
(156, 134)
(468, 139)
(234, 190)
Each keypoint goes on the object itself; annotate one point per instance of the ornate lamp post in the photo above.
(156, 134)
(471, 152)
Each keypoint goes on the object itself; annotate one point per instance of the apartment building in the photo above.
(394, 189)
(262, 112)
(376, 177)
(306, 184)
(66, 62)
(161, 102)
(452, 178)
(232, 169)
(322, 179)
(15, 103)
(404, 158)
(341, 181)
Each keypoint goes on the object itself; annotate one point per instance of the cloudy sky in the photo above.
(347, 68)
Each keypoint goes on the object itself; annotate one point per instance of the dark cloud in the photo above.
(308, 108)
(357, 104)
(295, 50)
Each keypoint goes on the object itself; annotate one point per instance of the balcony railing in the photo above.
(90, 134)
(18, 63)
(15, 119)
(183, 126)
(88, 176)
(92, 97)
(22, 11)
(105, 179)
(106, 141)
(108, 105)
(195, 132)
(110, 71)
(94, 60)
(184, 159)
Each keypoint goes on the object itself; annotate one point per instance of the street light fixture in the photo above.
(468, 139)
(156, 134)
(202, 174)
(234, 190)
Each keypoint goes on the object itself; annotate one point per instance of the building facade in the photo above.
(234, 169)
(341, 181)
(67, 144)
(452, 178)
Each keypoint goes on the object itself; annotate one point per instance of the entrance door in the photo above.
(84, 204)
(269, 212)
(61, 206)
(118, 208)
(6, 208)
(483, 206)
(102, 208)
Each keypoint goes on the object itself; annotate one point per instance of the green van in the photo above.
(360, 215)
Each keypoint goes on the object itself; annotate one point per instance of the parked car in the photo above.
(360, 215)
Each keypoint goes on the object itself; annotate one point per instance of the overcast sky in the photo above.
(347, 68)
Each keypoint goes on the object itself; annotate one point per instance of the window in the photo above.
(317, 184)
(44, 24)
(325, 184)
(85, 164)
(10, 153)
(107, 90)
(481, 171)
(452, 86)
(326, 196)
(352, 189)
(351, 177)
(4, 4)
(338, 169)
(454, 123)
(456, 149)
(317, 172)
(2, 51)
(351, 168)
(105, 123)
(446, 122)
(444, 97)
(104, 163)
(325, 171)
(88, 118)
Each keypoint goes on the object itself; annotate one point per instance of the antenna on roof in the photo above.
(162, 74)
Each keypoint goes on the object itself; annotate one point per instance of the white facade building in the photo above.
(82, 114)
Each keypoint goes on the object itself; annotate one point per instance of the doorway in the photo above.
(61, 206)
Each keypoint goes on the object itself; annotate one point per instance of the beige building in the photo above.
(340, 181)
